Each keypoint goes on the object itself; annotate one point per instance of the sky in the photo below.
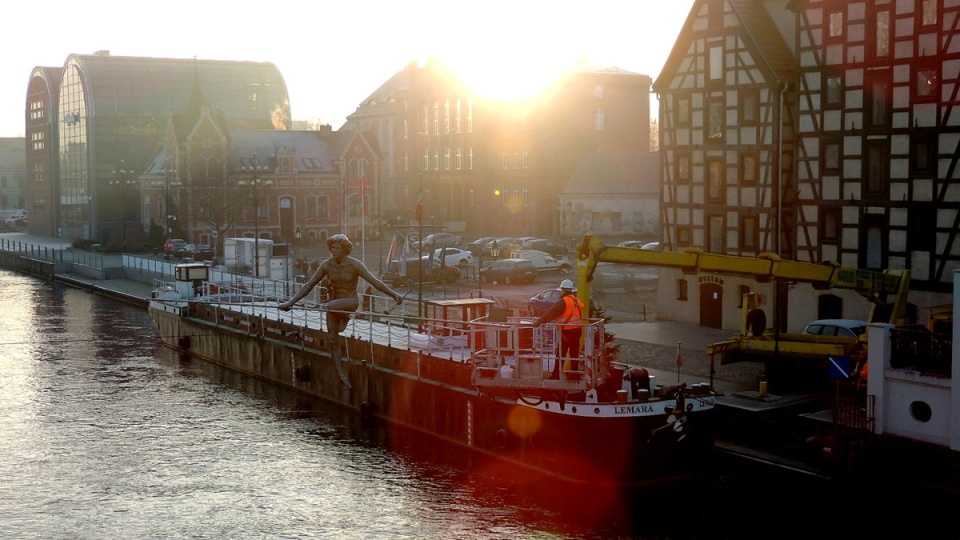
(334, 54)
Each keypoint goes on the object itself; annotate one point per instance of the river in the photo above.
(104, 433)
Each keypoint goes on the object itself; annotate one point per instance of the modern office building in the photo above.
(94, 124)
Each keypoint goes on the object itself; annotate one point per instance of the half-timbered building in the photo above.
(815, 130)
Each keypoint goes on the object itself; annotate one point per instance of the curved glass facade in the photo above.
(113, 115)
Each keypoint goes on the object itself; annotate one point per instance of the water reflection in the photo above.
(106, 434)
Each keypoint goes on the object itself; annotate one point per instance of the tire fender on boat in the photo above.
(301, 373)
(183, 342)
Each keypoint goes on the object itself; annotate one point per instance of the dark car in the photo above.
(510, 271)
(200, 252)
(439, 240)
(544, 300)
(434, 273)
(477, 245)
(548, 246)
(172, 245)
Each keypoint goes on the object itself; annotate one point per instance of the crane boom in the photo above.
(874, 285)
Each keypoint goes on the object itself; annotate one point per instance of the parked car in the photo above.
(452, 256)
(174, 244)
(544, 300)
(542, 260)
(439, 240)
(197, 252)
(505, 244)
(542, 244)
(636, 244)
(509, 271)
(651, 246)
(836, 327)
(434, 272)
(477, 245)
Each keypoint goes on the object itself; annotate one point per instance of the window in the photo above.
(832, 92)
(881, 32)
(424, 120)
(744, 290)
(598, 120)
(831, 156)
(927, 84)
(598, 91)
(446, 116)
(748, 169)
(715, 234)
(876, 168)
(835, 25)
(879, 103)
(922, 232)
(923, 154)
(682, 290)
(446, 159)
(929, 10)
(458, 158)
(716, 63)
(715, 120)
(829, 225)
(682, 112)
(425, 163)
(456, 117)
(436, 118)
(683, 167)
(750, 107)
(684, 236)
(436, 159)
(749, 233)
(715, 180)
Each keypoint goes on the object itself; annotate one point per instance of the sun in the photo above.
(508, 80)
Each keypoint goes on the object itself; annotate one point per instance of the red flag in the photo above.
(679, 360)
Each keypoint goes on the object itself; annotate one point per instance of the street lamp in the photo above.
(123, 181)
(298, 235)
(256, 182)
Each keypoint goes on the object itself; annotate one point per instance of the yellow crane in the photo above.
(886, 290)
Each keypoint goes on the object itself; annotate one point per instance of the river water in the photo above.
(104, 433)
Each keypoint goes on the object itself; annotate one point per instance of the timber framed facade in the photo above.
(818, 130)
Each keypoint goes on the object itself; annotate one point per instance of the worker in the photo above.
(568, 312)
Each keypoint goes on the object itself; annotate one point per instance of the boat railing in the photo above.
(518, 354)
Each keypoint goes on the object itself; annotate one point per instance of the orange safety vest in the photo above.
(572, 312)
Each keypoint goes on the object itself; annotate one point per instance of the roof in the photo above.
(252, 94)
(758, 30)
(616, 173)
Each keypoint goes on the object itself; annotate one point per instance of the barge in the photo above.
(460, 370)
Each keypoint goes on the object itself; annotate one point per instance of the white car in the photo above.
(453, 256)
(837, 327)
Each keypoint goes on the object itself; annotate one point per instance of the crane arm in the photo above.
(765, 267)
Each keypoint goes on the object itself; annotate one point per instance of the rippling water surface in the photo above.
(104, 433)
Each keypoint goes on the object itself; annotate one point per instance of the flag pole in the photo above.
(679, 361)
(363, 219)
(420, 248)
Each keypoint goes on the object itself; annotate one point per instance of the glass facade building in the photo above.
(112, 114)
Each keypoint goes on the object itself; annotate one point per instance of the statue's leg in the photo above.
(335, 325)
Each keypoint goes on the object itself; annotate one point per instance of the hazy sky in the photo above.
(333, 54)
